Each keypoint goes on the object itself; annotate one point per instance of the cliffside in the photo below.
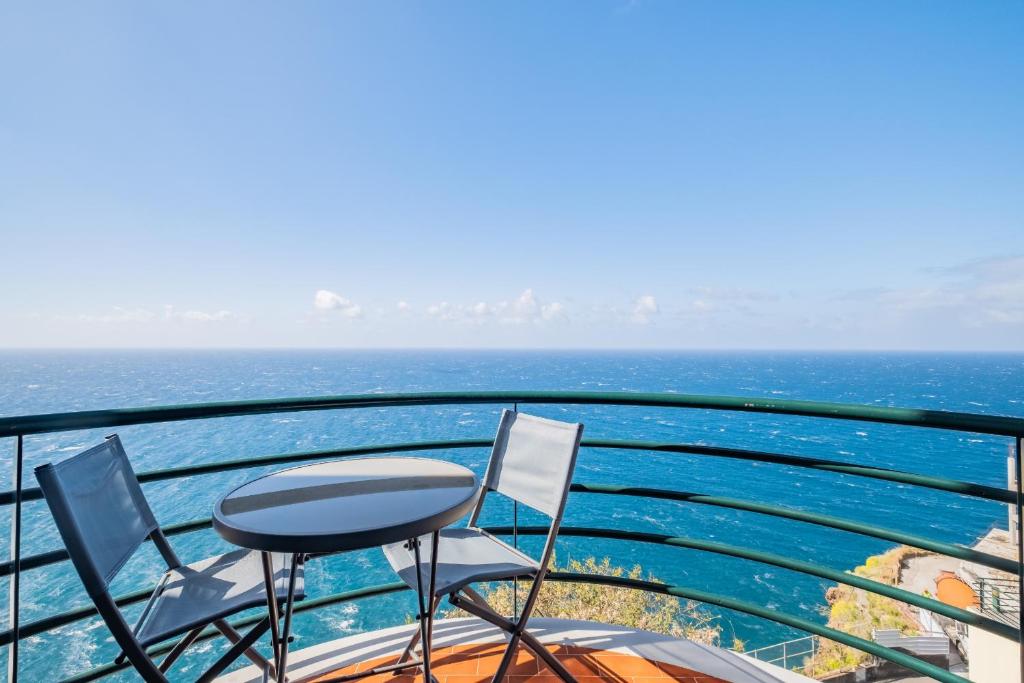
(858, 612)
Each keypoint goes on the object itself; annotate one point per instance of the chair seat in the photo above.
(214, 588)
(464, 556)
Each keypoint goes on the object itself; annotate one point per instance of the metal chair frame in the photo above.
(97, 585)
(473, 603)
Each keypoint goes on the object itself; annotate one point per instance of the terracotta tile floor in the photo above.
(476, 663)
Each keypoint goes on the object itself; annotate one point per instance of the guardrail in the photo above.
(998, 599)
(784, 654)
(19, 428)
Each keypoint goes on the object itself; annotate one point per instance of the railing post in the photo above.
(1020, 553)
(515, 544)
(14, 595)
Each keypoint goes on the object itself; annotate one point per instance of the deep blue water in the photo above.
(37, 382)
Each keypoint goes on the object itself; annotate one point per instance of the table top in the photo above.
(345, 504)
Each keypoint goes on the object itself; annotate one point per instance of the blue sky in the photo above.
(528, 174)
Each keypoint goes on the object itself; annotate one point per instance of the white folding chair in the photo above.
(532, 463)
(103, 518)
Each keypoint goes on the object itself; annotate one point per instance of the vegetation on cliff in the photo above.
(858, 612)
(609, 604)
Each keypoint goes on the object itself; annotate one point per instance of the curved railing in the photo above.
(18, 428)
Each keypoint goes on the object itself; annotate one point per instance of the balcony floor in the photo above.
(466, 651)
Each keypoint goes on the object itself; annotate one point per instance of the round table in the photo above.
(341, 505)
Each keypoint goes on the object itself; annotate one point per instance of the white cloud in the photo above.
(403, 307)
(480, 309)
(702, 305)
(143, 315)
(981, 293)
(552, 311)
(325, 300)
(644, 308)
(524, 309)
(725, 301)
(445, 311)
(118, 315)
(198, 316)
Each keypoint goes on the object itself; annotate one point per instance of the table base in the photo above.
(280, 639)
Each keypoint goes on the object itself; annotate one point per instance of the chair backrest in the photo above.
(103, 518)
(533, 460)
(99, 510)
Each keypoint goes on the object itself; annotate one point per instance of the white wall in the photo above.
(993, 659)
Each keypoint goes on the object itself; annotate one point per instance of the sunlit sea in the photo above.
(40, 382)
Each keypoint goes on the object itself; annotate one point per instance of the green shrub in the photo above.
(609, 604)
(857, 612)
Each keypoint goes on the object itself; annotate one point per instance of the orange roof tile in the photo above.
(476, 663)
(952, 591)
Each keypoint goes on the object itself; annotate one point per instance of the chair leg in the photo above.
(179, 648)
(537, 647)
(413, 642)
(474, 596)
(234, 637)
(480, 609)
(477, 606)
(415, 639)
(506, 659)
(235, 652)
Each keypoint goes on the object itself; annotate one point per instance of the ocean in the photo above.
(56, 381)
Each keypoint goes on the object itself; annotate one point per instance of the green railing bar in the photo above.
(939, 483)
(305, 606)
(34, 628)
(887, 653)
(964, 488)
(55, 556)
(71, 616)
(868, 646)
(34, 493)
(972, 618)
(48, 623)
(950, 549)
(937, 419)
(376, 449)
(35, 561)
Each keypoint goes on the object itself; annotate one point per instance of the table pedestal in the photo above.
(424, 601)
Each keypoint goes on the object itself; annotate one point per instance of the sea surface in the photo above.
(41, 382)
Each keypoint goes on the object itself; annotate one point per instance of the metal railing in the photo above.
(20, 428)
(789, 654)
(998, 599)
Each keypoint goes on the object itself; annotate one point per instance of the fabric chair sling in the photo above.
(532, 463)
(103, 518)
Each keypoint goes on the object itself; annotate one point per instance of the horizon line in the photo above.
(538, 349)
